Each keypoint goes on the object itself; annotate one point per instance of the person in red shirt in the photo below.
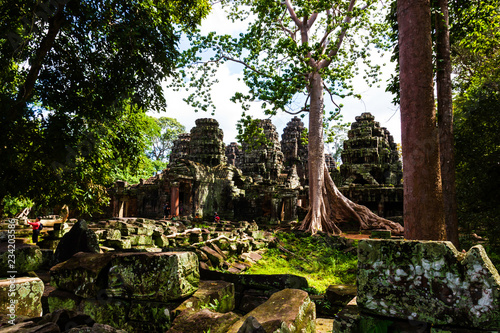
(216, 218)
(36, 229)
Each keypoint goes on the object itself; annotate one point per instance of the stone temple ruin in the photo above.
(138, 275)
(268, 183)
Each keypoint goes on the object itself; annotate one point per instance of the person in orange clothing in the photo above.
(36, 229)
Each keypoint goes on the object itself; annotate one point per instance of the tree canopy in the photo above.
(293, 53)
(77, 78)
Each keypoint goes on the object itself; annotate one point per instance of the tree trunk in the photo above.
(327, 205)
(445, 122)
(55, 22)
(423, 200)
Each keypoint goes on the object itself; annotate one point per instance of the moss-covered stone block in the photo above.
(289, 310)
(429, 282)
(203, 321)
(161, 240)
(156, 313)
(81, 274)
(20, 258)
(62, 300)
(120, 244)
(158, 276)
(113, 312)
(113, 234)
(21, 296)
(381, 234)
(216, 295)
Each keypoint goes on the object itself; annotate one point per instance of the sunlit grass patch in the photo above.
(317, 258)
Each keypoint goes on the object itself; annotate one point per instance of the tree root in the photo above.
(336, 208)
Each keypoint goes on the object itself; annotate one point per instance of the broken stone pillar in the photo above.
(428, 281)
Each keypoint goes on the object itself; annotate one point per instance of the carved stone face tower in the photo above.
(370, 155)
(266, 161)
(206, 145)
(294, 150)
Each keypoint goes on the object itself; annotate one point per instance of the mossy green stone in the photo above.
(24, 257)
(428, 281)
(26, 292)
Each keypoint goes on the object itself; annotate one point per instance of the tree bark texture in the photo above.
(445, 122)
(423, 199)
(327, 205)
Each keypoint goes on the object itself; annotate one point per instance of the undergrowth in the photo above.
(320, 259)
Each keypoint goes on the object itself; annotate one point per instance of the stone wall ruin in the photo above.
(267, 183)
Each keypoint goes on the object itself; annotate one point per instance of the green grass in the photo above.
(319, 259)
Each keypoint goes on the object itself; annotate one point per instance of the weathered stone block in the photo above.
(137, 240)
(20, 258)
(217, 295)
(21, 296)
(123, 243)
(113, 234)
(153, 276)
(340, 294)
(203, 321)
(289, 310)
(110, 311)
(62, 300)
(160, 240)
(381, 234)
(430, 282)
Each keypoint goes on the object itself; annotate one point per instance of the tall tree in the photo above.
(76, 80)
(301, 48)
(163, 137)
(445, 120)
(423, 200)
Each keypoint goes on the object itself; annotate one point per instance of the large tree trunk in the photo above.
(327, 205)
(445, 122)
(423, 200)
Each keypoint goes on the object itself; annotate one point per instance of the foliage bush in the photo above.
(13, 205)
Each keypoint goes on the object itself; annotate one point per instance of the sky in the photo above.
(374, 99)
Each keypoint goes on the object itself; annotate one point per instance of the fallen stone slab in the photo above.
(216, 295)
(203, 321)
(340, 294)
(429, 282)
(289, 310)
(21, 296)
(159, 276)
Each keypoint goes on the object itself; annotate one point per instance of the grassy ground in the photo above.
(320, 259)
